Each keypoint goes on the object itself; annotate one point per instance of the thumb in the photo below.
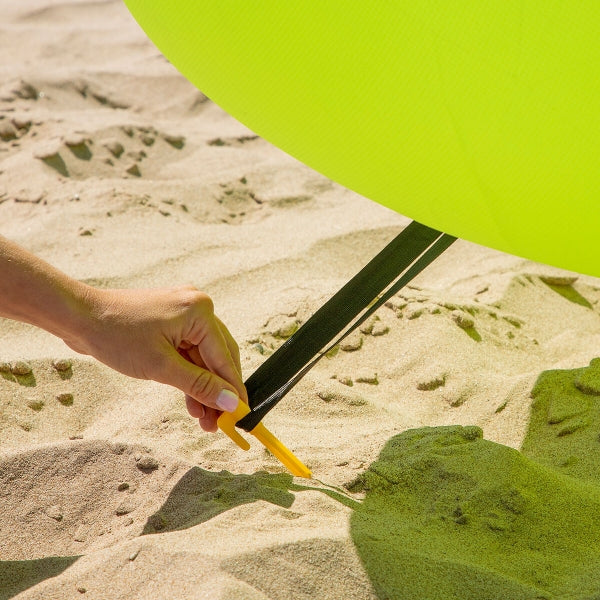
(202, 385)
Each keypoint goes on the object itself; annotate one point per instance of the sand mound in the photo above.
(451, 515)
(172, 547)
(67, 499)
(46, 404)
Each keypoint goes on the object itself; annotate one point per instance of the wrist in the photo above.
(35, 292)
(76, 316)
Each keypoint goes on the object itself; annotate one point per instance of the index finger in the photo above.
(215, 353)
(234, 349)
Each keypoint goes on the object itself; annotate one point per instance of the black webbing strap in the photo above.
(399, 262)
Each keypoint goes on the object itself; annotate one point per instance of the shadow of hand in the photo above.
(201, 495)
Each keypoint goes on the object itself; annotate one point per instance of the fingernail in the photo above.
(227, 400)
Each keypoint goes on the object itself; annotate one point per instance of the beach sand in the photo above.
(453, 441)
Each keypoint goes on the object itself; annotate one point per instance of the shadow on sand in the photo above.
(19, 575)
(451, 516)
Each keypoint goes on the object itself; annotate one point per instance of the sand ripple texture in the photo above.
(453, 437)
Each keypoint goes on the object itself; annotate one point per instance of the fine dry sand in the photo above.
(118, 171)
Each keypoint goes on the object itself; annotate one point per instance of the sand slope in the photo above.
(118, 171)
(450, 515)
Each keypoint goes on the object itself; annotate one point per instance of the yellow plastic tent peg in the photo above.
(226, 423)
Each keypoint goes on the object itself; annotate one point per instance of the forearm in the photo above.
(170, 335)
(33, 291)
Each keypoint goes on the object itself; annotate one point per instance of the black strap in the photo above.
(398, 263)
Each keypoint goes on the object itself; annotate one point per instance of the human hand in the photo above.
(167, 335)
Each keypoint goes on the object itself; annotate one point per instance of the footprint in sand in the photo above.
(237, 202)
(78, 145)
(114, 152)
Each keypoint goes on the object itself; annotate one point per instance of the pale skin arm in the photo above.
(168, 335)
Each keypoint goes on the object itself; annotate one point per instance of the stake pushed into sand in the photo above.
(227, 423)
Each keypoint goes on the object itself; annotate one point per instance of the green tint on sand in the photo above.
(565, 422)
(449, 515)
